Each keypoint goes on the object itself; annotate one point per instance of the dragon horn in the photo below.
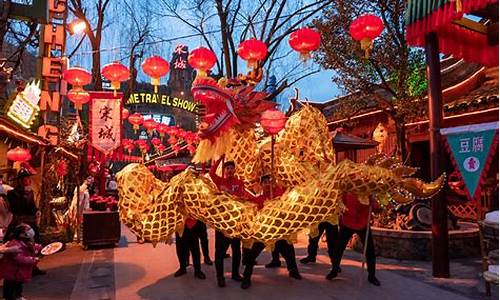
(404, 171)
(421, 189)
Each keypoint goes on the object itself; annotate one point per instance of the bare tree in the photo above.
(94, 33)
(222, 25)
(392, 79)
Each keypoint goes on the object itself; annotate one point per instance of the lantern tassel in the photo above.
(366, 44)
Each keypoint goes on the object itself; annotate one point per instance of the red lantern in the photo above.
(155, 67)
(77, 77)
(150, 125)
(305, 40)
(273, 121)
(125, 114)
(252, 51)
(162, 129)
(155, 141)
(116, 73)
(202, 59)
(365, 29)
(176, 148)
(136, 120)
(18, 154)
(172, 140)
(78, 97)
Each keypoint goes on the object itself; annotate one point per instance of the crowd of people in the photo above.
(355, 220)
(20, 246)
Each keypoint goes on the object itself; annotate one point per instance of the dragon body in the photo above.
(304, 165)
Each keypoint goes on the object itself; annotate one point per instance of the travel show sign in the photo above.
(163, 100)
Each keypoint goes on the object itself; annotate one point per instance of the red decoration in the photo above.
(128, 145)
(252, 51)
(18, 154)
(155, 141)
(94, 168)
(365, 29)
(150, 125)
(172, 140)
(155, 67)
(162, 129)
(305, 40)
(116, 73)
(62, 168)
(273, 121)
(125, 114)
(191, 148)
(77, 77)
(202, 59)
(136, 120)
(176, 148)
(78, 97)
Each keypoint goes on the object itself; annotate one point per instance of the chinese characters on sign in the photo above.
(25, 108)
(180, 56)
(105, 122)
(470, 149)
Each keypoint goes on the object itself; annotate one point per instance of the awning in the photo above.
(344, 142)
(461, 37)
(10, 129)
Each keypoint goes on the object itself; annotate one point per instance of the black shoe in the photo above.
(208, 261)
(307, 260)
(237, 278)
(227, 255)
(295, 274)
(331, 275)
(37, 272)
(246, 283)
(221, 282)
(273, 264)
(339, 270)
(180, 272)
(199, 274)
(373, 280)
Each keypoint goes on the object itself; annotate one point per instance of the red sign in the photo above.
(105, 121)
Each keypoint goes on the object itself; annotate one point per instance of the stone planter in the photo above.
(417, 245)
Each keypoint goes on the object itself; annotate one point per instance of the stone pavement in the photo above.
(135, 271)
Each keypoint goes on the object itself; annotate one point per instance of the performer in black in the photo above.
(189, 243)
(312, 248)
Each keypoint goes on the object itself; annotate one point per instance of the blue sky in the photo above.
(316, 88)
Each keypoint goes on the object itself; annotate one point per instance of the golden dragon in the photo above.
(304, 158)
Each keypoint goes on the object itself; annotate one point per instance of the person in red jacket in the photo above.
(355, 221)
(232, 185)
(16, 268)
(280, 247)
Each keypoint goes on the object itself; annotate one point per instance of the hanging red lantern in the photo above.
(155, 67)
(253, 51)
(176, 148)
(155, 141)
(128, 145)
(202, 59)
(160, 148)
(125, 114)
(365, 29)
(172, 140)
(136, 120)
(162, 129)
(18, 154)
(273, 121)
(150, 125)
(78, 97)
(77, 77)
(116, 73)
(305, 40)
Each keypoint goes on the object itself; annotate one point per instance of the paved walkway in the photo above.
(135, 271)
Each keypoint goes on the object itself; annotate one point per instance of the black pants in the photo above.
(222, 243)
(281, 247)
(287, 251)
(345, 234)
(204, 240)
(331, 238)
(189, 243)
(12, 289)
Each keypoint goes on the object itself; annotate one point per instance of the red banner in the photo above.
(105, 121)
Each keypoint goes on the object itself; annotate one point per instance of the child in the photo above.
(16, 268)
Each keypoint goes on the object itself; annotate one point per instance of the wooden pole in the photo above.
(440, 259)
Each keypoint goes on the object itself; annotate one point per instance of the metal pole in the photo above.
(440, 259)
(272, 165)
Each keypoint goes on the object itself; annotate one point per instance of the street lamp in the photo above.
(273, 121)
(77, 26)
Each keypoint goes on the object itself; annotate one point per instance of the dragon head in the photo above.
(228, 104)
